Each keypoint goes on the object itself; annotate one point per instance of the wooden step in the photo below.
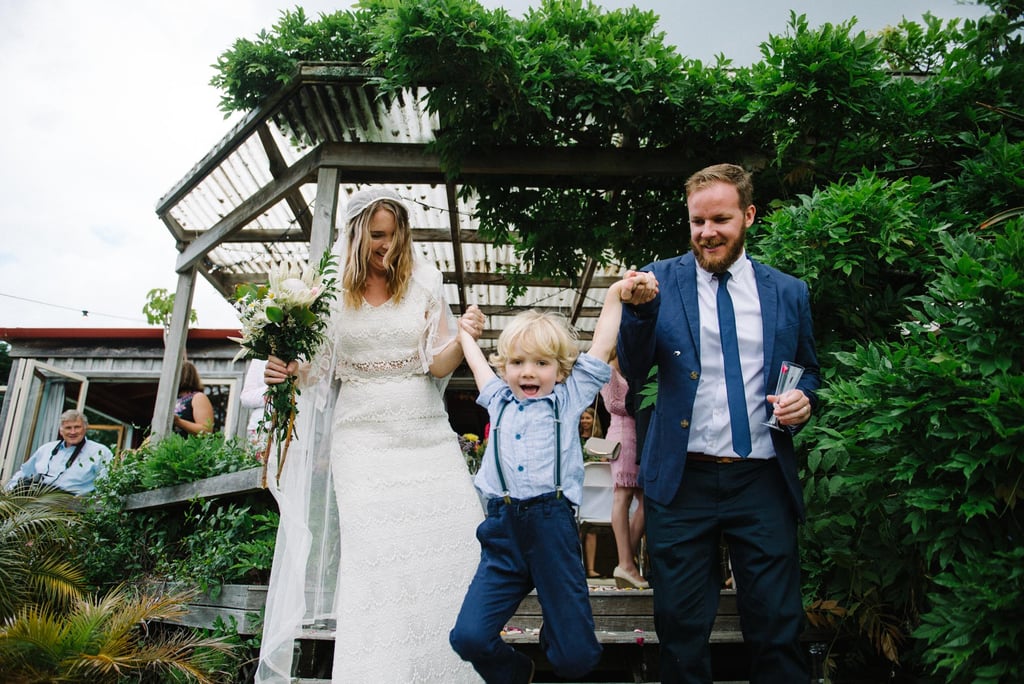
(624, 622)
(328, 681)
(622, 616)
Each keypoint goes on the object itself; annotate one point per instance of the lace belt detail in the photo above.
(370, 369)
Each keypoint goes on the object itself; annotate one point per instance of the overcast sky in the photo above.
(106, 105)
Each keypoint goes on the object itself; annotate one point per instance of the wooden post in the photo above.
(174, 351)
(325, 213)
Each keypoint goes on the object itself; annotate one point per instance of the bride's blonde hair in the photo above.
(398, 262)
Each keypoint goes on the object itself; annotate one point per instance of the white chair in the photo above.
(596, 501)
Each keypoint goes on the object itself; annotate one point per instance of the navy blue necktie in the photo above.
(733, 371)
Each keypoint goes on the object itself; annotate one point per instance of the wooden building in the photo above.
(110, 373)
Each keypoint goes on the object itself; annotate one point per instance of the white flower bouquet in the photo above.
(286, 318)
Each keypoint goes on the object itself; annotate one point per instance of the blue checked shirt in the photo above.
(527, 434)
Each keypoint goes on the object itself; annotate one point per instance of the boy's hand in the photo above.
(472, 322)
(637, 287)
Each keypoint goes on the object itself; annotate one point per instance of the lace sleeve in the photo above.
(441, 327)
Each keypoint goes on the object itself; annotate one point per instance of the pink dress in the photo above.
(622, 429)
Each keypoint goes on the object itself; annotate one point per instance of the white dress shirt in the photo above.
(710, 432)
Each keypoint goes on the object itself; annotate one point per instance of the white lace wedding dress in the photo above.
(407, 508)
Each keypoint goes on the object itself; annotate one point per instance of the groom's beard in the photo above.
(722, 262)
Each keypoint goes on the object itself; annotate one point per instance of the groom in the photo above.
(718, 334)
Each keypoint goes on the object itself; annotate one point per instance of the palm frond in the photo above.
(103, 639)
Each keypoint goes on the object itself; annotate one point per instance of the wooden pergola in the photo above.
(270, 191)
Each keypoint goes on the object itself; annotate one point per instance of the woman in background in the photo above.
(627, 530)
(590, 426)
(193, 412)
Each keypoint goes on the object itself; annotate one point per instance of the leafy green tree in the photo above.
(160, 306)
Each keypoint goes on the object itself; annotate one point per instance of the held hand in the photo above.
(791, 408)
(277, 370)
(472, 322)
(638, 287)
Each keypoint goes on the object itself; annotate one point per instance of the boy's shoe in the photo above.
(524, 667)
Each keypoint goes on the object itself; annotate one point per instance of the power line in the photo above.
(85, 312)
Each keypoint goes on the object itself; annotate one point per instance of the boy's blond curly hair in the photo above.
(542, 333)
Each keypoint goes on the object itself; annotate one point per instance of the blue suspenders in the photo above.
(558, 453)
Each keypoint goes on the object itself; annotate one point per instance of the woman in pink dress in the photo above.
(627, 530)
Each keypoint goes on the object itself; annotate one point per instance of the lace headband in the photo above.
(364, 198)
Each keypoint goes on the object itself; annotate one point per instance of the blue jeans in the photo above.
(525, 544)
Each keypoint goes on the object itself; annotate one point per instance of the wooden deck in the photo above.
(624, 624)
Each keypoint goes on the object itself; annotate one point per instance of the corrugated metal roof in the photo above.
(334, 110)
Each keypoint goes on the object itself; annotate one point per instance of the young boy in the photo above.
(532, 477)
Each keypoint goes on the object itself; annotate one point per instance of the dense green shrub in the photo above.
(913, 486)
(866, 248)
(176, 459)
(203, 542)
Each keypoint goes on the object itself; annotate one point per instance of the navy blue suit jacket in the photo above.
(666, 333)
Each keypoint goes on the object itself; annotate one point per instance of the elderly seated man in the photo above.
(71, 463)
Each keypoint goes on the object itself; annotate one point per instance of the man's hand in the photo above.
(638, 287)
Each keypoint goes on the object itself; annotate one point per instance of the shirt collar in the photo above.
(738, 269)
(529, 400)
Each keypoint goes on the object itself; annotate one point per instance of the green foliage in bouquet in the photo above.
(286, 318)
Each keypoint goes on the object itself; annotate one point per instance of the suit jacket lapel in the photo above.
(768, 295)
(686, 277)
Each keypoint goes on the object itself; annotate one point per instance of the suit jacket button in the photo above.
(685, 424)
(694, 375)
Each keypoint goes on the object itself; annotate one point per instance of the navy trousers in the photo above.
(526, 544)
(748, 504)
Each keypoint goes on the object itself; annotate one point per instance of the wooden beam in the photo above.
(581, 289)
(325, 214)
(253, 235)
(260, 235)
(174, 352)
(501, 310)
(230, 280)
(278, 166)
(413, 162)
(264, 198)
(453, 224)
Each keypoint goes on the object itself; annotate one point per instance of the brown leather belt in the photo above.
(705, 458)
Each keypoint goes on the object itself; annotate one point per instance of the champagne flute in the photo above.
(789, 376)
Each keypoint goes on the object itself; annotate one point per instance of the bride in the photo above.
(397, 533)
